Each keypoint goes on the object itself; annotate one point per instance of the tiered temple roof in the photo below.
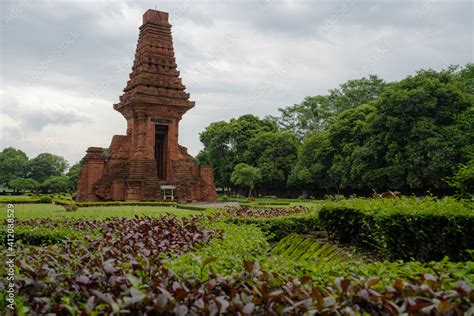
(155, 79)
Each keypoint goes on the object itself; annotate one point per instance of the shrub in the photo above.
(46, 200)
(404, 228)
(463, 180)
(120, 203)
(223, 198)
(129, 249)
(191, 207)
(125, 269)
(252, 292)
(264, 211)
(223, 255)
(255, 206)
(277, 228)
(306, 249)
(232, 198)
(70, 207)
(38, 236)
(25, 200)
(62, 202)
(273, 203)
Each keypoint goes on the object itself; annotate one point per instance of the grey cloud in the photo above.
(329, 42)
(33, 119)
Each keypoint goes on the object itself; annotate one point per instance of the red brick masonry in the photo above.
(149, 156)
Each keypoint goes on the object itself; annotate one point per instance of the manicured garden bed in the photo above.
(244, 260)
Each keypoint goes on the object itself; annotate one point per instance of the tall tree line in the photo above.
(46, 172)
(414, 134)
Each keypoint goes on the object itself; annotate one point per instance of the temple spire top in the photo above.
(155, 17)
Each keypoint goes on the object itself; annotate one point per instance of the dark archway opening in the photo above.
(161, 133)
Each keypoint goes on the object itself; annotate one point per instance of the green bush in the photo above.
(272, 203)
(223, 255)
(38, 236)
(255, 206)
(232, 198)
(403, 228)
(120, 203)
(25, 200)
(223, 198)
(307, 249)
(278, 227)
(46, 200)
(191, 207)
(388, 271)
(62, 202)
(463, 180)
(70, 207)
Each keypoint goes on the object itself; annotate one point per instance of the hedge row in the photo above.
(38, 236)
(115, 203)
(418, 234)
(192, 208)
(256, 206)
(63, 202)
(26, 200)
(279, 227)
(272, 203)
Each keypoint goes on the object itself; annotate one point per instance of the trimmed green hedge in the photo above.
(120, 203)
(279, 227)
(26, 200)
(38, 236)
(192, 208)
(63, 202)
(256, 206)
(271, 203)
(420, 231)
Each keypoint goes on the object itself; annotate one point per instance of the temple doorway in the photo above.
(161, 133)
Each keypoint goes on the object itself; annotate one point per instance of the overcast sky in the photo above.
(64, 63)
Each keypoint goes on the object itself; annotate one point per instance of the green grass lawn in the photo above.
(25, 211)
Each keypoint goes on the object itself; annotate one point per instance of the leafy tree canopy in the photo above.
(245, 176)
(56, 184)
(73, 175)
(13, 164)
(23, 184)
(46, 165)
(318, 112)
(226, 143)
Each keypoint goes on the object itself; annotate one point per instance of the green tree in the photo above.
(56, 184)
(466, 75)
(46, 165)
(245, 176)
(463, 180)
(409, 136)
(421, 131)
(356, 92)
(13, 164)
(73, 175)
(314, 161)
(317, 113)
(23, 184)
(352, 159)
(274, 154)
(225, 144)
